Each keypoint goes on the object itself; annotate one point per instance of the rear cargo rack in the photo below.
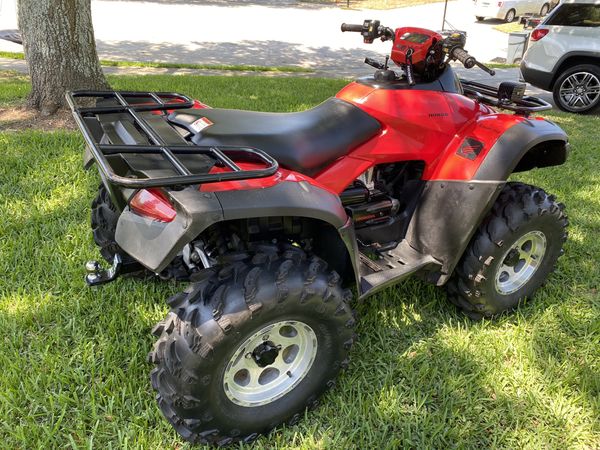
(490, 96)
(134, 103)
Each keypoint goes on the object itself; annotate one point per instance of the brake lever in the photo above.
(374, 63)
(485, 68)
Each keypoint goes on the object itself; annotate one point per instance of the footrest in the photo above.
(406, 262)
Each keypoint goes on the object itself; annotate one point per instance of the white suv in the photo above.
(564, 55)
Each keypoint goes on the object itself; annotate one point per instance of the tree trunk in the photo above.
(60, 50)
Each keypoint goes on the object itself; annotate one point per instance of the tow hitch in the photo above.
(97, 275)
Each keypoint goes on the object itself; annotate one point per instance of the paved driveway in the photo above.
(267, 32)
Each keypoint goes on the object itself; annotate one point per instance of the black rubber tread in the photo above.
(590, 68)
(212, 316)
(104, 217)
(519, 208)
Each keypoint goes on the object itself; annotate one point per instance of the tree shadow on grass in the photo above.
(73, 357)
(410, 384)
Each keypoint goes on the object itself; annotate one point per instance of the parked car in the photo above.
(511, 9)
(564, 56)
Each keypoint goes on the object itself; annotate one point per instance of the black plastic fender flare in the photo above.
(450, 211)
(510, 148)
(155, 244)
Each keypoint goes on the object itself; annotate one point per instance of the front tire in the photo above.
(545, 9)
(577, 89)
(225, 369)
(479, 18)
(512, 253)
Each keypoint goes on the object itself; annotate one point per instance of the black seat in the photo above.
(305, 141)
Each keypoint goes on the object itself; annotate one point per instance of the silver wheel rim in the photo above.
(580, 91)
(510, 16)
(246, 383)
(544, 10)
(520, 262)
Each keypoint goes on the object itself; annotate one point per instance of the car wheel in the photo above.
(479, 18)
(578, 89)
(544, 10)
(510, 16)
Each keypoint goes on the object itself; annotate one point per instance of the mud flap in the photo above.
(447, 217)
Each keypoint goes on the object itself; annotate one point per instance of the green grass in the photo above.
(511, 27)
(12, 55)
(166, 65)
(72, 359)
(501, 65)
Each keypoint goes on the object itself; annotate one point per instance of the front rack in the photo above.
(124, 103)
(489, 95)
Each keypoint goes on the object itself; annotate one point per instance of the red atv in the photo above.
(280, 220)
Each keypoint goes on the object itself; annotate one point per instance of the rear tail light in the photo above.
(154, 204)
(539, 33)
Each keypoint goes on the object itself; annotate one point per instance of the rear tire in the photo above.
(577, 89)
(512, 254)
(545, 9)
(479, 18)
(510, 16)
(208, 381)
(104, 217)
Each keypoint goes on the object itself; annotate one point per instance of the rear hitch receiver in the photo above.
(97, 275)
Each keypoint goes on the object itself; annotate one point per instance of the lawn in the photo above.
(73, 369)
(511, 27)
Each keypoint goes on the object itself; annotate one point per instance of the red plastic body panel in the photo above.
(281, 176)
(417, 125)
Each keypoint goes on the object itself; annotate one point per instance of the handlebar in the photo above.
(469, 61)
(352, 27)
(370, 30)
(461, 55)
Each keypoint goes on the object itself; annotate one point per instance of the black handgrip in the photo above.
(352, 27)
(461, 55)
